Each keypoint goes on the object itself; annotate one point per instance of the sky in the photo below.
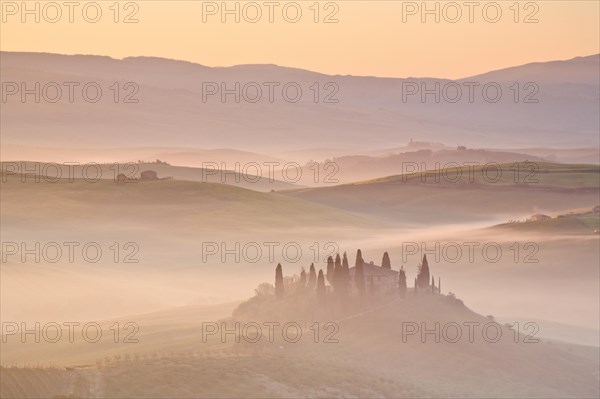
(372, 38)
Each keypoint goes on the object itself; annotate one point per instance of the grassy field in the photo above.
(168, 223)
(409, 200)
(42, 383)
(370, 359)
(562, 224)
(170, 218)
(202, 205)
(230, 374)
(107, 171)
(526, 174)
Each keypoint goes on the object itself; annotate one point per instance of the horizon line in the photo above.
(291, 67)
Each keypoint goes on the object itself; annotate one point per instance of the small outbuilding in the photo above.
(148, 175)
(538, 217)
(121, 178)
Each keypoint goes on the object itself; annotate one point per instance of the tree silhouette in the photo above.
(330, 270)
(439, 285)
(312, 276)
(402, 282)
(385, 262)
(341, 276)
(278, 282)
(423, 275)
(321, 288)
(416, 286)
(303, 278)
(337, 271)
(345, 271)
(359, 273)
(432, 285)
(359, 258)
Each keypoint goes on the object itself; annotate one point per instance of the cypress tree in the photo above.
(423, 275)
(439, 285)
(402, 282)
(359, 274)
(278, 282)
(340, 279)
(303, 278)
(312, 276)
(359, 258)
(385, 262)
(432, 285)
(321, 288)
(337, 272)
(330, 270)
(416, 286)
(346, 271)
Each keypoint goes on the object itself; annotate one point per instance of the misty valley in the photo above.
(321, 199)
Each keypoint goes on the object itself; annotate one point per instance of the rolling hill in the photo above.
(213, 172)
(572, 223)
(370, 112)
(201, 205)
(372, 356)
(452, 195)
(185, 238)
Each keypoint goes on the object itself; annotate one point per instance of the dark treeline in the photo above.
(362, 280)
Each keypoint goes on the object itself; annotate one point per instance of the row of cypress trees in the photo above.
(338, 276)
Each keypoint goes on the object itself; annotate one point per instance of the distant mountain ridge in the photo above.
(55, 59)
(361, 113)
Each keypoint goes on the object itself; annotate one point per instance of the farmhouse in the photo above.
(538, 217)
(377, 277)
(148, 175)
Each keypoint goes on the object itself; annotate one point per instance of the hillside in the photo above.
(352, 168)
(461, 194)
(213, 172)
(370, 358)
(589, 155)
(169, 222)
(201, 205)
(374, 340)
(571, 223)
(194, 243)
(532, 174)
(370, 112)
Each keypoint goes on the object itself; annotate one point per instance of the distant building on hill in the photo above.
(538, 217)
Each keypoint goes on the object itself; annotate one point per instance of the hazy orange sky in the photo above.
(370, 37)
